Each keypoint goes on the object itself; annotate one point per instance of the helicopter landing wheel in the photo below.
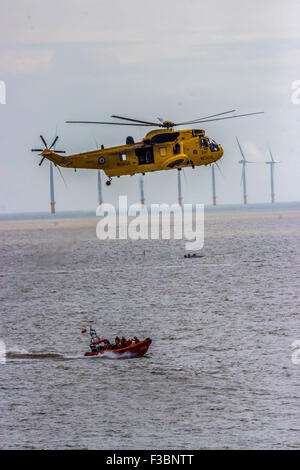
(108, 182)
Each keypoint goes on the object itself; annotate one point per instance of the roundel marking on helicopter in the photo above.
(101, 160)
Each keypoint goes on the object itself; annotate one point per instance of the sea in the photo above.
(222, 371)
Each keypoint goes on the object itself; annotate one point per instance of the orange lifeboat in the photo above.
(133, 350)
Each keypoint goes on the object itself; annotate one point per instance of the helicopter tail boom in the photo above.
(53, 157)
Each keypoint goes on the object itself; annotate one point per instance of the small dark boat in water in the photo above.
(102, 346)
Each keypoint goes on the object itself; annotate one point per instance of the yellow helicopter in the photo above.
(161, 149)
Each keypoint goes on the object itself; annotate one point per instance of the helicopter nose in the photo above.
(221, 151)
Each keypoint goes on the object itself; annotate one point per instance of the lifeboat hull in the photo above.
(134, 350)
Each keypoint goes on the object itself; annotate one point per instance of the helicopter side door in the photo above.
(145, 155)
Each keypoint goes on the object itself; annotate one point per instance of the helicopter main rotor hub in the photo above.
(167, 124)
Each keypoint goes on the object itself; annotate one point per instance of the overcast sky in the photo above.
(88, 59)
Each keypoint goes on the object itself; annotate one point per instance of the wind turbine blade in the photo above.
(96, 143)
(219, 168)
(242, 153)
(61, 175)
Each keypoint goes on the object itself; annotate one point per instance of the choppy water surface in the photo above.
(218, 373)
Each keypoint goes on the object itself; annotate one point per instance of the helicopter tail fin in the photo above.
(53, 157)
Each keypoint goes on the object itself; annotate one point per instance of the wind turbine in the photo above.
(243, 162)
(99, 180)
(100, 200)
(179, 187)
(52, 201)
(272, 162)
(213, 178)
(142, 189)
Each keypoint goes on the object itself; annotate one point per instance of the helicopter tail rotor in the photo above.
(43, 153)
(47, 148)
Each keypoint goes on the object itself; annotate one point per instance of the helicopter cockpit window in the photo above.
(213, 145)
(203, 143)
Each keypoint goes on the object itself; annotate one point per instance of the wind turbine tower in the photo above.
(52, 201)
(272, 163)
(100, 200)
(142, 190)
(244, 163)
(214, 197)
(99, 180)
(179, 187)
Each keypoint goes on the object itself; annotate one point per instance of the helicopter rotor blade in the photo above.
(220, 119)
(37, 150)
(135, 120)
(111, 123)
(43, 140)
(54, 142)
(206, 117)
(41, 161)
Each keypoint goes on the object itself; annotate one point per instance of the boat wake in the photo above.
(23, 354)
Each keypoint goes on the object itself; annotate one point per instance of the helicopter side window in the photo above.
(203, 143)
(176, 149)
(196, 132)
(123, 157)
